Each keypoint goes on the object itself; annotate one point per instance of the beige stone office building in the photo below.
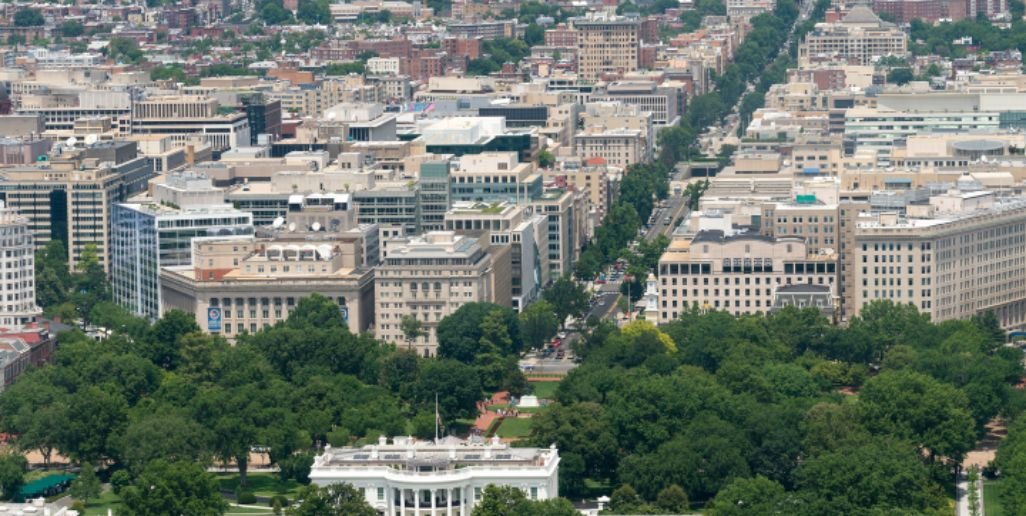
(737, 273)
(431, 276)
(252, 285)
(857, 39)
(71, 197)
(619, 147)
(962, 254)
(606, 44)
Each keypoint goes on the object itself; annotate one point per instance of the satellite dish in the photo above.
(316, 226)
(71, 141)
(278, 222)
(91, 139)
(292, 226)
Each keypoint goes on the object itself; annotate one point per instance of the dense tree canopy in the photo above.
(749, 409)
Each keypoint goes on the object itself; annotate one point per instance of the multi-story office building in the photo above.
(604, 116)
(664, 102)
(486, 30)
(737, 272)
(606, 45)
(883, 129)
(594, 177)
(509, 225)
(70, 198)
(187, 118)
(434, 194)
(237, 287)
(618, 147)
(859, 39)
(961, 254)
(430, 276)
(462, 136)
(148, 233)
(566, 212)
(494, 177)
(904, 11)
(18, 290)
(391, 204)
(113, 105)
(264, 118)
(359, 122)
(445, 478)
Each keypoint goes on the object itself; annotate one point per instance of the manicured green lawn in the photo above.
(107, 500)
(545, 390)
(515, 427)
(261, 484)
(246, 510)
(991, 503)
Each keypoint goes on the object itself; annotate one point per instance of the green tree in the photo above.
(882, 474)
(172, 72)
(701, 460)
(751, 496)
(534, 35)
(124, 49)
(93, 418)
(86, 485)
(461, 333)
(933, 415)
(28, 18)
(296, 467)
(12, 473)
(672, 499)
(147, 439)
(333, 500)
(72, 29)
(174, 488)
(454, 384)
(501, 501)
(538, 323)
(399, 371)
(163, 348)
(314, 12)
(495, 334)
(272, 13)
(91, 285)
(625, 500)
(511, 501)
(900, 76)
(53, 280)
(355, 67)
(567, 298)
(412, 329)
(546, 159)
(1011, 462)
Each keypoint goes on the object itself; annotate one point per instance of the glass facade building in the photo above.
(145, 238)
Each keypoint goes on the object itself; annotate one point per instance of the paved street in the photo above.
(676, 207)
(605, 300)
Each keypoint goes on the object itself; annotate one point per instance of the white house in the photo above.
(443, 478)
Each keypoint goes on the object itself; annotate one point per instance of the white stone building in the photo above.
(18, 291)
(444, 478)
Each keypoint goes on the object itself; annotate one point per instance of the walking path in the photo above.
(978, 458)
(486, 417)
